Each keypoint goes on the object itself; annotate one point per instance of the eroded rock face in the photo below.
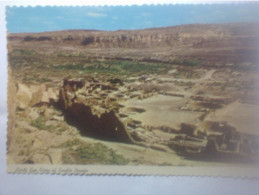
(31, 95)
(205, 42)
(105, 124)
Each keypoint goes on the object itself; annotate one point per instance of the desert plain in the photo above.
(182, 96)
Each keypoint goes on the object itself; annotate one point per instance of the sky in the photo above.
(40, 19)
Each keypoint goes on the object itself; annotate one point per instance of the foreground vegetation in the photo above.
(78, 152)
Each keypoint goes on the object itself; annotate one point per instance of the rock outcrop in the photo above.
(23, 95)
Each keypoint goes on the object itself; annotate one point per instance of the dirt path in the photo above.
(208, 75)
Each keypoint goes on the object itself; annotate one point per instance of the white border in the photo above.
(58, 184)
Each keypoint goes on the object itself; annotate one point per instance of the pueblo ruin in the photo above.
(183, 95)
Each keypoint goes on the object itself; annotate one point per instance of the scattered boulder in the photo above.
(24, 96)
(48, 113)
(49, 95)
(56, 156)
(31, 113)
(41, 159)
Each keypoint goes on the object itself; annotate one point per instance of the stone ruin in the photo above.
(92, 107)
(101, 124)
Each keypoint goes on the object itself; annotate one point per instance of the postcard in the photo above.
(135, 90)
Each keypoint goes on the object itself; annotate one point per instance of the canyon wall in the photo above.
(209, 43)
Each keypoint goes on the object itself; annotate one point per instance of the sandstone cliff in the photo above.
(209, 43)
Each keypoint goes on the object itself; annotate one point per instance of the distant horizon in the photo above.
(114, 18)
(97, 30)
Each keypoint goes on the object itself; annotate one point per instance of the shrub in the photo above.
(186, 62)
(86, 153)
(40, 124)
(177, 61)
(191, 62)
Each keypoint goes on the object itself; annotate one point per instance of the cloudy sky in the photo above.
(39, 19)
